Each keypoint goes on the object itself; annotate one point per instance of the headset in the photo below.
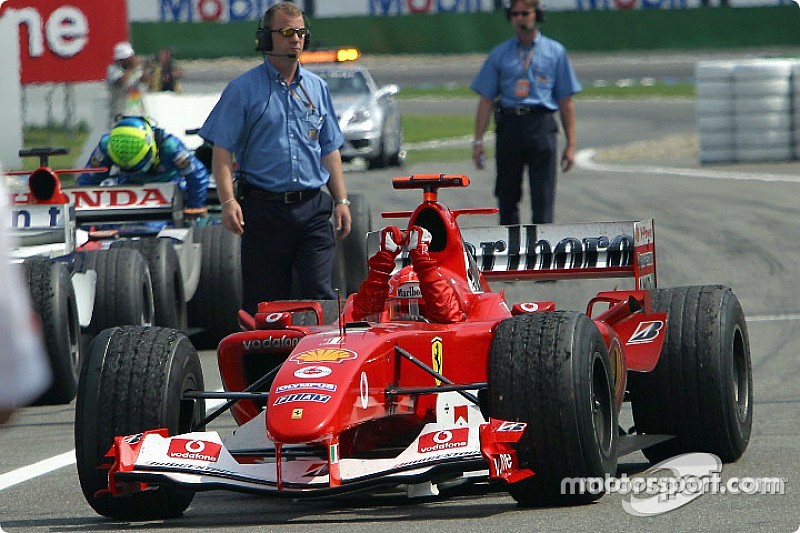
(264, 37)
(536, 7)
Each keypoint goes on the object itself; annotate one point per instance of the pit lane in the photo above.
(738, 232)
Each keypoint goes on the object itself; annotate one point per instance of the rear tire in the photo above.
(352, 251)
(701, 390)
(53, 300)
(132, 381)
(552, 371)
(165, 272)
(215, 306)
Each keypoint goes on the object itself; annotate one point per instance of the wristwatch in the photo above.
(343, 201)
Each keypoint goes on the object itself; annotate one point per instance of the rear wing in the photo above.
(41, 229)
(559, 251)
(127, 203)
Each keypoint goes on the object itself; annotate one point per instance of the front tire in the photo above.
(701, 390)
(552, 371)
(133, 380)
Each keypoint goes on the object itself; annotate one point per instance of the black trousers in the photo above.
(279, 238)
(526, 140)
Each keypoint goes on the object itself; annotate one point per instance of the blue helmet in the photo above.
(132, 145)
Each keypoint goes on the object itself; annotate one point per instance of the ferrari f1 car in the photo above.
(520, 394)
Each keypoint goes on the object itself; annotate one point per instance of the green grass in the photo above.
(657, 90)
(420, 128)
(56, 137)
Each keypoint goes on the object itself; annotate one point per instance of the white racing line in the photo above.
(585, 160)
(26, 473)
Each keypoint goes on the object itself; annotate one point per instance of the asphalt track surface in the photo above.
(728, 224)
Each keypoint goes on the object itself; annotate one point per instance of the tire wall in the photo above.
(744, 110)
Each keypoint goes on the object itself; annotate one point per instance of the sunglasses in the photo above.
(521, 13)
(288, 32)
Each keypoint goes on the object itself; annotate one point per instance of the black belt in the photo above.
(525, 110)
(248, 190)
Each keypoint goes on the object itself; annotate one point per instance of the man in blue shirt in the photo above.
(278, 121)
(144, 154)
(524, 81)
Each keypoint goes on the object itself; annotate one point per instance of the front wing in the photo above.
(200, 461)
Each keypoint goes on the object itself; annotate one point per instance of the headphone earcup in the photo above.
(263, 40)
(307, 41)
(508, 13)
(539, 15)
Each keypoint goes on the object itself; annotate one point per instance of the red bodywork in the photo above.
(346, 389)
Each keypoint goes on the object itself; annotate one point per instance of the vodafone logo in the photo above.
(445, 439)
(196, 450)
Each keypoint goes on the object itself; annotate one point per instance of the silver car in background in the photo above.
(368, 115)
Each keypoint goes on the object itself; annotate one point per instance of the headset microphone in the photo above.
(290, 55)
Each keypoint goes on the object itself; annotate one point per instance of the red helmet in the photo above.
(405, 297)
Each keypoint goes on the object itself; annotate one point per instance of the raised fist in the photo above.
(392, 239)
(418, 239)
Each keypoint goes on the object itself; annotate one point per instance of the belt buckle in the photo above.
(523, 110)
(291, 197)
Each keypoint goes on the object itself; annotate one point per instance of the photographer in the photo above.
(126, 77)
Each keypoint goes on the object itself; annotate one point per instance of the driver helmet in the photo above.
(132, 145)
(405, 297)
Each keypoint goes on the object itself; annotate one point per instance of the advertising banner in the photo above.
(66, 41)
(232, 10)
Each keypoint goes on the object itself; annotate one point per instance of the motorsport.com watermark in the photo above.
(672, 483)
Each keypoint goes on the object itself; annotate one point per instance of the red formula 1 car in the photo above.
(522, 394)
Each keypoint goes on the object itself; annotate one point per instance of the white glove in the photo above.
(391, 239)
(418, 239)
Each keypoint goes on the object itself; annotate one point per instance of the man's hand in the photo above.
(344, 221)
(232, 217)
(568, 159)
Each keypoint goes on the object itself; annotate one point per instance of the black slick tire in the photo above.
(133, 380)
(215, 305)
(701, 390)
(352, 251)
(124, 291)
(552, 371)
(165, 272)
(53, 300)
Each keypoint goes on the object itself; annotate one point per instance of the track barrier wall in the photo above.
(453, 33)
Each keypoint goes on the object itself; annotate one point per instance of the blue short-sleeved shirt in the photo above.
(549, 74)
(277, 138)
(176, 163)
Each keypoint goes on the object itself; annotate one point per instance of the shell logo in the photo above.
(324, 355)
